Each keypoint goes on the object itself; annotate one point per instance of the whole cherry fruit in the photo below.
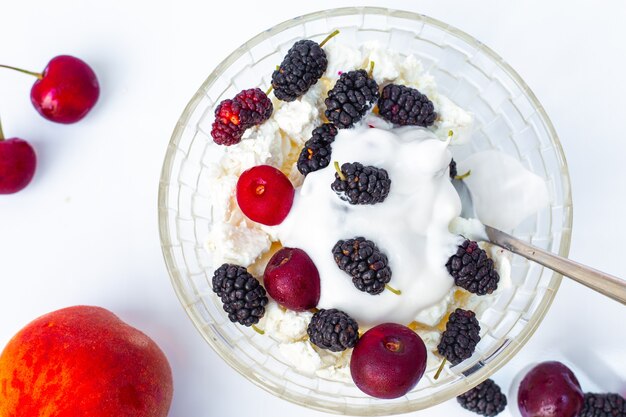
(550, 389)
(17, 164)
(65, 91)
(292, 279)
(265, 195)
(388, 361)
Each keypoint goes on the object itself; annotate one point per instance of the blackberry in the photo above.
(485, 399)
(232, 117)
(472, 269)
(333, 330)
(243, 297)
(364, 262)
(316, 152)
(303, 65)
(403, 105)
(453, 171)
(603, 405)
(361, 184)
(459, 339)
(353, 94)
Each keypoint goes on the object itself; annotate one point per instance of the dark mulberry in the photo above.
(362, 184)
(333, 330)
(316, 152)
(403, 106)
(348, 101)
(243, 297)
(603, 405)
(485, 399)
(303, 65)
(461, 336)
(472, 269)
(364, 262)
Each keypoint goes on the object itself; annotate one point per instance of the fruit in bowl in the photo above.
(375, 123)
(83, 361)
(292, 280)
(383, 209)
(388, 361)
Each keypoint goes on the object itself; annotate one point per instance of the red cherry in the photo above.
(17, 164)
(388, 361)
(550, 389)
(65, 91)
(292, 279)
(265, 194)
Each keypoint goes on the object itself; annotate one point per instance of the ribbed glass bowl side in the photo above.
(508, 118)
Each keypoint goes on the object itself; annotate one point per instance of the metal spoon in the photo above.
(606, 284)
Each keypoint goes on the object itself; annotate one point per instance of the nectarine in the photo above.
(83, 361)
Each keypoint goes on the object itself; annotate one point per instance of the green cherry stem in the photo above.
(1, 132)
(329, 37)
(35, 74)
(256, 329)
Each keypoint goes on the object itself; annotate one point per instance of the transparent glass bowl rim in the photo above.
(509, 351)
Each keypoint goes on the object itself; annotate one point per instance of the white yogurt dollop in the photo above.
(410, 226)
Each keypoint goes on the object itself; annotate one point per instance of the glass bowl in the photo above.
(508, 118)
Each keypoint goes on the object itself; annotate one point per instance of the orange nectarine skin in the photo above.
(83, 362)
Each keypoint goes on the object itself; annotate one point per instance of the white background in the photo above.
(85, 231)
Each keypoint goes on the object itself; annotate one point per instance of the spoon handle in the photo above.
(606, 284)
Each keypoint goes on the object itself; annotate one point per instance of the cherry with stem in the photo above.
(65, 91)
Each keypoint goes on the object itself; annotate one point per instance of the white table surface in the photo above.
(85, 230)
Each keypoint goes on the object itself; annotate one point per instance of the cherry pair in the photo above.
(64, 92)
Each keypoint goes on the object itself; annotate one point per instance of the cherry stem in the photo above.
(1, 132)
(256, 329)
(463, 176)
(269, 90)
(329, 37)
(341, 176)
(371, 71)
(35, 74)
(393, 290)
(440, 369)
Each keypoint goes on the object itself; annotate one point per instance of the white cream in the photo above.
(341, 58)
(410, 226)
(238, 244)
(298, 118)
(503, 191)
(285, 325)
